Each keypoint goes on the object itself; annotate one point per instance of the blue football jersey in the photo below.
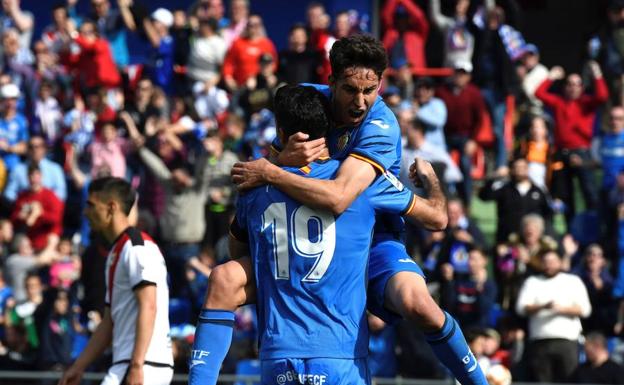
(311, 266)
(377, 140)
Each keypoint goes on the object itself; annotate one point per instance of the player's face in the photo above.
(354, 92)
(97, 212)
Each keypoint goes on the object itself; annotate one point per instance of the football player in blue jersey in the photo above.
(367, 140)
(310, 265)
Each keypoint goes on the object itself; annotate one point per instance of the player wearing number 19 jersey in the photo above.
(310, 269)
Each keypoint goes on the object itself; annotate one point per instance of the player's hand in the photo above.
(247, 175)
(72, 376)
(135, 376)
(421, 173)
(556, 73)
(299, 151)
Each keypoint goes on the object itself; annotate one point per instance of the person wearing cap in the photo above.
(533, 73)
(13, 127)
(242, 60)
(160, 66)
(431, 112)
(465, 110)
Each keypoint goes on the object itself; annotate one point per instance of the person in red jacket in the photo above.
(466, 109)
(406, 31)
(242, 59)
(93, 64)
(574, 115)
(38, 212)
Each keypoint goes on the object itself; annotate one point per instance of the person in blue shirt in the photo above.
(13, 127)
(309, 267)
(367, 137)
(160, 68)
(51, 172)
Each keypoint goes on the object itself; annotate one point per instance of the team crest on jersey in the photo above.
(342, 141)
(393, 179)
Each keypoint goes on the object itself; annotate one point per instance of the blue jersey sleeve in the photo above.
(388, 195)
(378, 139)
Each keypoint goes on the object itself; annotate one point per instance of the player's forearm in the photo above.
(146, 319)
(325, 194)
(99, 341)
(431, 212)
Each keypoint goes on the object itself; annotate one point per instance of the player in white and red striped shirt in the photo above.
(136, 317)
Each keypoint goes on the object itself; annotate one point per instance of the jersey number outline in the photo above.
(274, 219)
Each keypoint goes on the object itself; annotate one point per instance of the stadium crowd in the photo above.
(544, 296)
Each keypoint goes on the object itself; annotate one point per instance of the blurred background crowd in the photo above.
(171, 97)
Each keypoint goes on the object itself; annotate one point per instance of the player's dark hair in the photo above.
(301, 109)
(358, 51)
(114, 188)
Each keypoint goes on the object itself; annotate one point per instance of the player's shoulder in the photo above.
(381, 116)
(133, 238)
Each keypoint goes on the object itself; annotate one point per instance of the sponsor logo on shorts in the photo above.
(301, 378)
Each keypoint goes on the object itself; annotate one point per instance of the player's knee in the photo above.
(417, 305)
(225, 288)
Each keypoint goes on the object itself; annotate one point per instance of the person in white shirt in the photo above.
(136, 319)
(554, 302)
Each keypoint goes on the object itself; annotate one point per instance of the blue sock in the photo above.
(213, 337)
(450, 346)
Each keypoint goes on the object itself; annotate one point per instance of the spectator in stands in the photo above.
(431, 112)
(599, 283)
(465, 110)
(14, 17)
(19, 355)
(470, 297)
(53, 35)
(609, 49)
(16, 58)
(206, 9)
(56, 331)
(52, 174)
(183, 221)
(160, 66)
(531, 73)
(320, 39)
(25, 311)
(553, 303)
(216, 175)
(112, 25)
(48, 115)
(536, 149)
(239, 15)
(207, 52)
(6, 295)
(405, 32)
(611, 151)
(458, 40)
(47, 68)
(19, 264)
(13, 127)
(93, 65)
(494, 73)
(419, 146)
(574, 115)
(516, 198)
(243, 58)
(599, 368)
(39, 212)
(519, 257)
(109, 151)
(342, 25)
(461, 235)
(141, 106)
(298, 63)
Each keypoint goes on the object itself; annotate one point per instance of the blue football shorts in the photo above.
(388, 257)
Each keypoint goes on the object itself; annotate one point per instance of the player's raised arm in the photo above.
(335, 195)
(431, 212)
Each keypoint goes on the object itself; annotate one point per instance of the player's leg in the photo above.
(230, 285)
(397, 285)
